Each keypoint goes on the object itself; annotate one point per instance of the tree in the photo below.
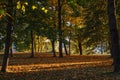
(53, 47)
(59, 28)
(95, 30)
(8, 36)
(2, 34)
(32, 44)
(114, 38)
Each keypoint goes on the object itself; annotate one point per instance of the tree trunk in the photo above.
(32, 45)
(59, 29)
(114, 35)
(38, 44)
(101, 47)
(110, 48)
(8, 37)
(65, 49)
(7, 48)
(69, 43)
(80, 47)
(10, 51)
(34, 40)
(53, 48)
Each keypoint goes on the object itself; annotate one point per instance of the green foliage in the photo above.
(41, 17)
(96, 24)
(73, 5)
(2, 12)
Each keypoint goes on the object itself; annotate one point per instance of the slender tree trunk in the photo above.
(80, 47)
(101, 45)
(53, 48)
(0, 45)
(59, 29)
(114, 35)
(38, 44)
(32, 45)
(65, 49)
(10, 51)
(69, 43)
(34, 40)
(8, 37)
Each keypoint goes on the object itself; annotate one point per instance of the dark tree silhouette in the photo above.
(8, 36)
(59, 29)
(114, 35)
(65, 48)
(32, 44)
(80, 47)
(53, 47)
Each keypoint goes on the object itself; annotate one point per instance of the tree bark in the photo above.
(101, 47)
(80, 47)
(69, 43)
(34, 42)
(38, 44)
(7, 48)
(114, 35)
(11, 51)
(65, 49)
(8, 37)
(53, 48)
(59, 29)
(32, 45)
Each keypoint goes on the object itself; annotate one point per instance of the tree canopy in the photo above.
(81, 25)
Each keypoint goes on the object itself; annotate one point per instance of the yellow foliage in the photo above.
(34, 7)
(18, 5)
(26, 3)
(43, 8)
(23, 8)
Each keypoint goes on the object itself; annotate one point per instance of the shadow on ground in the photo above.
(87, 73)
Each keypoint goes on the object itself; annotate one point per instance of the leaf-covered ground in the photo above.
(46, 67)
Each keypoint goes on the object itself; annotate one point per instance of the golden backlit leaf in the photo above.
(43, 8)
(34, 7)
(46, 11)
(18, 5)
(23, 8)
(26, 3)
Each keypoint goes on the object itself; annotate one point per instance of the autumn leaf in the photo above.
(46, 67)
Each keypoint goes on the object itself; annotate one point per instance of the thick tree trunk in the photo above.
(59, 29)
(80, 47)
(114, 35)
(65, 49)
(32, 45)
(110, 48)
(8, 38)
(7, 48)
(53, 48)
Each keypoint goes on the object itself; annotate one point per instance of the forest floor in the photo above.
(46, 67)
